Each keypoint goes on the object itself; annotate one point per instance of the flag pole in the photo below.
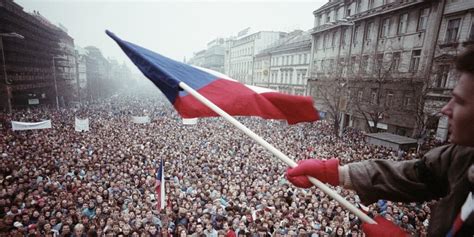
(364, 217)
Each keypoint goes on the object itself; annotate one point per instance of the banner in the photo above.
(30, 126)
(33, 101)
(190, 121)
(82, 125)
(140, 119)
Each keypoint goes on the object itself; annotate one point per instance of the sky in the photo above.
(174, 29)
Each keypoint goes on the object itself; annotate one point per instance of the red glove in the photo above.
(383, 228)
(327, 171)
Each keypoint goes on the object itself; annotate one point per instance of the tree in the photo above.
(374, 108)
(330, 90)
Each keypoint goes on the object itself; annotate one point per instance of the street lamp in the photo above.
(7, 88)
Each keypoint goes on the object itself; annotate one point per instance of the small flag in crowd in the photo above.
(228, 94)
(160, 187)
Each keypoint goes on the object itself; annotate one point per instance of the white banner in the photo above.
(30, 126)
(190, 121)
(140, 119)
(82, 125)
(33, 101)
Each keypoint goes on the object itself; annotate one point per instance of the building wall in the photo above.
(262, 70)
(81, 67)
(97, 73)
(29, 61)
(379, 50)
(456, 32)
(243, 51)
(284, 66)
(213, 57)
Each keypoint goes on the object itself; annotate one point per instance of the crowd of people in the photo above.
(59, 182)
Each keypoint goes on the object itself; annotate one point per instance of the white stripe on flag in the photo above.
(467, 207)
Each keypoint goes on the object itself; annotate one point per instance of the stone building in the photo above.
(456, 31)
(212, 57)
(369, 62)
(243, 49)
(29, 44)
(284, 66)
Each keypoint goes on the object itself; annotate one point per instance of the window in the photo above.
(423, 20)
(379, 61)
(373, 97)
(359, 95)
(348, 12)
(325, 40)
(333, 39)
(328, 17)
(336, 15)
(320, 20)
(385, 30)
(358, 6)
(415, 60)
(452, 30)
(395, 61)
(371, 4)
(407, 101)
(356, 34)
(471, 34)
(403, 23)
(342, 62)
(368, 31)
(364, 63)
(442, 76)
(352, 63)
(344, 36)
(389, 99)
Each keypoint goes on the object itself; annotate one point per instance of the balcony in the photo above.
(448, 44)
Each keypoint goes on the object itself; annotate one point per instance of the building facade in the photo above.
(198, 58)
(28, 71)
(284, 66)
(243, 50)
(97, 73)
(81, 68)
(456, 31)
(373, 56)
(212, 57)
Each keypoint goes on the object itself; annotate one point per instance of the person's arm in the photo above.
(406, 181)
(413, 180)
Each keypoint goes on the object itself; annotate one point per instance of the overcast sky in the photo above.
(174, 29)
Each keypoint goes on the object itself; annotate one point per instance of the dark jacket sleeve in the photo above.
(405, 181)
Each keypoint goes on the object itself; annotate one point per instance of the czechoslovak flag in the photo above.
(231, 96)
(160, 187)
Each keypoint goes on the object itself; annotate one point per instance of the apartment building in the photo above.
(456, 31)
(38, 57)
(369, 60)
(284, 66)
(243, 49)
